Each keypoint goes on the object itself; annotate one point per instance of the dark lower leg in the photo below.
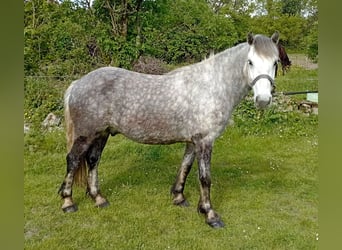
(66, 188)
(204, 204)
(93, 158)
(178, 186)
(66, 193)
(75, 159)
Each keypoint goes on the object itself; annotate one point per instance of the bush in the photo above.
(42, 96)
(312, 43)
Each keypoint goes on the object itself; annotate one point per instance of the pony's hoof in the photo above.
(183, 203)
(216, 224)
(103, 204)
(70, 209)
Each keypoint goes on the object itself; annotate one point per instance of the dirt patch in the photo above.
(302, 61)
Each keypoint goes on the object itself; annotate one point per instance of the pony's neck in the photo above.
(231, 64)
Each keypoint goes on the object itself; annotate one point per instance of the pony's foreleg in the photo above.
(203, 152)
(93, 158)
(179, 184)
(75, 161)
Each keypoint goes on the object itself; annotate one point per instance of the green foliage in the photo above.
(179, 37)
(290, 28)
(42, 96)
(72, 38)
(282, 118)
(312, 43)
(55, 39)
(292, 7)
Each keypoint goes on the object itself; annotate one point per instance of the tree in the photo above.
(73, 36)
(56, 38)
(187, 31)
(292, 7)
(238, 12)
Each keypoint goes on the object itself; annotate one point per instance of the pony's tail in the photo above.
(81, 173)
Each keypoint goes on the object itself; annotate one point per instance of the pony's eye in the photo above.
(250, 62)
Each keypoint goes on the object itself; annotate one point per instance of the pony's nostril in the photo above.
(263, 101)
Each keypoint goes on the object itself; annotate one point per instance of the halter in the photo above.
(263, 76)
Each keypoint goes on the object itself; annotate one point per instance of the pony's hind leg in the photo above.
(179, 184)
(93, 157)
(75, 163)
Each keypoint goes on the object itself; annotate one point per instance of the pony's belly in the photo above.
(154, 138)
(152, 133)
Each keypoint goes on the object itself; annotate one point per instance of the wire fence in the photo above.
(65, 77)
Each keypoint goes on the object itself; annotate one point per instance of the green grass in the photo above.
(297, 79)
(265, 187)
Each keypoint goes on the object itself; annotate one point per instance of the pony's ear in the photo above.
(275, 37)
(250, 38)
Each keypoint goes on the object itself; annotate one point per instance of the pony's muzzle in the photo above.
(262, 101)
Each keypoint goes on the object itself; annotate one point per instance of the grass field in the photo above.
(264, 175)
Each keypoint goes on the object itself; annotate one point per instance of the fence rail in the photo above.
(296, 92)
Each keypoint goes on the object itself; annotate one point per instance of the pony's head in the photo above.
(261, 64)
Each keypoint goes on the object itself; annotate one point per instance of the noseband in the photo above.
(264, 76)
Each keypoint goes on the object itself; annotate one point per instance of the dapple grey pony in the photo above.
(191, 104)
